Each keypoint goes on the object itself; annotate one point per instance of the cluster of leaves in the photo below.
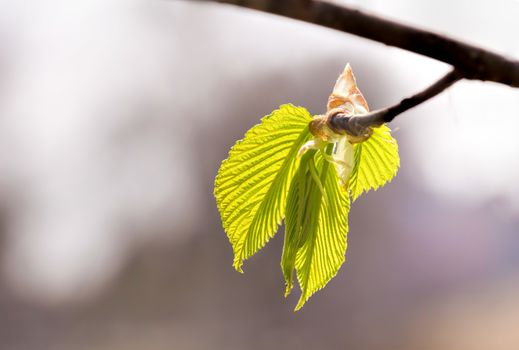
(264, 181)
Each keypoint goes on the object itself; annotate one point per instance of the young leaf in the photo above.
(252, 183)
(296, 218)
(323, 245)
(376, 162)
(264, 178)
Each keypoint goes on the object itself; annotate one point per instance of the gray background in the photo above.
(114, 117)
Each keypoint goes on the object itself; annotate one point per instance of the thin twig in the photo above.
(357, 124)
(470, 61)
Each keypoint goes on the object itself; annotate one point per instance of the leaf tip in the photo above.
(288, 289)
(300, 304)
(237, 266)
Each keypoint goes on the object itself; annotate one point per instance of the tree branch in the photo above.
(356, 125)
(470, 61)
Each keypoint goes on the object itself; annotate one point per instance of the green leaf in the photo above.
(252, 183)
(376, 162)
(322, 246)
(295, 218)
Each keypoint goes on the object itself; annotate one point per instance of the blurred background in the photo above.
(114, 118)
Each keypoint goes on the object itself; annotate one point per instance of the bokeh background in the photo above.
(114, 118)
